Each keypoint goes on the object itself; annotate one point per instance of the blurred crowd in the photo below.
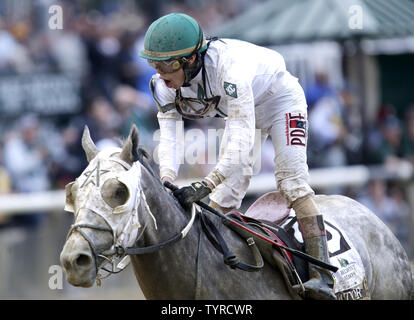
(98, 45)
(336, 135)
(336, 138)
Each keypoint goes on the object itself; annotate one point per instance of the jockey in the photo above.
(251, 89)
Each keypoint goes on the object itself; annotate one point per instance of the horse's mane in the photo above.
(140, 154)
(143, 156)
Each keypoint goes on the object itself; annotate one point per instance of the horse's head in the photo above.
(105, 200)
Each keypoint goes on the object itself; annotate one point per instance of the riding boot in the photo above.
(320, 283)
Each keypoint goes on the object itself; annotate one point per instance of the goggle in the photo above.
(166, 66)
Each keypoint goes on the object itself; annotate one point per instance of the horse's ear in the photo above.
(129, 151)
(88, 145)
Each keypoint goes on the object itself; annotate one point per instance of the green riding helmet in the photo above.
(173, 36)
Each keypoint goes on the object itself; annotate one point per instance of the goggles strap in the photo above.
(190, 73)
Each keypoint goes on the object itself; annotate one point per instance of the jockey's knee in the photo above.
(216, 206)
(294, 189)
(299, 196)
(230, 193)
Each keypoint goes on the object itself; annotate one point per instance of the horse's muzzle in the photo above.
(79, 267)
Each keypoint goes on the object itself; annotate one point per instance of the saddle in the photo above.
(266, 217)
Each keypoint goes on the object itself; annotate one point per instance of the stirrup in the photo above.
(318, 289)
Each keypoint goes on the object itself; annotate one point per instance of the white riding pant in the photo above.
(287, 126)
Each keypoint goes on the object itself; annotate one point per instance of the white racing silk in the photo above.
(245, 76)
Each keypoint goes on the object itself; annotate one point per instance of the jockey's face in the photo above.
(175, 79)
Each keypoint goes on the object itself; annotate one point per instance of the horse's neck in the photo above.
(169, 218)
(159, 273)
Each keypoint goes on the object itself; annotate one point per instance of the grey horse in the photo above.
(191, 268)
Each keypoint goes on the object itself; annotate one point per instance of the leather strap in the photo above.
(229, 257)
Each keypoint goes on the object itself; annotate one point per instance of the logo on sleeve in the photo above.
(296, 129)
(231, 89)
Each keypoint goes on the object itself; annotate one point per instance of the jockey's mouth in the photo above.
(173, 84)
(168, 83)
(172, 80)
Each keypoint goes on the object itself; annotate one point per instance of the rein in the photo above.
(143, 250)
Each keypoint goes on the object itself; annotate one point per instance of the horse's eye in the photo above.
(114, 193)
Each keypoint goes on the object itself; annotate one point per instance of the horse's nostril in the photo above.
(66, 264)
(83, 260)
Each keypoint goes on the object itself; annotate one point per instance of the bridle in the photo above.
(95, 253)
(107, 253)
(118, 251)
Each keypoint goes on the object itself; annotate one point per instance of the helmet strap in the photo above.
(191, 72)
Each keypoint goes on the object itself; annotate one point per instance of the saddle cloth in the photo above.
(281, 226)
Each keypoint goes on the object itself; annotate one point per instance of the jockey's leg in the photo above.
(291, 173)
(311, 224)
(220, 208)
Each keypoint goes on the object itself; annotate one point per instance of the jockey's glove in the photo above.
(192, 193)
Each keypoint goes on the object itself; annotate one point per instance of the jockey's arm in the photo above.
(171, 136)
(171, 130)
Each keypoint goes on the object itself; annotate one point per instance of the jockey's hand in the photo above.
(192, 193)
(163, 179)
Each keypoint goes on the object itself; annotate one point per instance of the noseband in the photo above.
(96, 254)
